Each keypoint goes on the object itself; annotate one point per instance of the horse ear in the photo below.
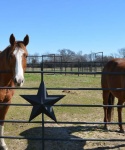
(12, 39)
(26, 40)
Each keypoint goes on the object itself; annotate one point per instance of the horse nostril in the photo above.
(18, 81)
(15, 80)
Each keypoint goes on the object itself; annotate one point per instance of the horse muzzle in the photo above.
(18, 81)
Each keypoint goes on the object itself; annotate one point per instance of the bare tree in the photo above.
(80, 57)
(122, 52)
(107, 58)
(34, 59)
(29, 59)
(67, 55)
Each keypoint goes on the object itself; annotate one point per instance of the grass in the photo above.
(62, 113)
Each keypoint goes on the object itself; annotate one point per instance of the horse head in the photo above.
(17, 59)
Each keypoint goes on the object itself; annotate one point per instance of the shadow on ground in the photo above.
(61, 132)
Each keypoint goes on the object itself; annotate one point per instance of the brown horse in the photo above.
(113, 81)
(12, 60)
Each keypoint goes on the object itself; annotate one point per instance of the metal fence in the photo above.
(77, 66)
(43, 122)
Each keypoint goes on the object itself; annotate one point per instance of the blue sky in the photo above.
(78, 25)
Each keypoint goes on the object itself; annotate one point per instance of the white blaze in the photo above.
(18, 68)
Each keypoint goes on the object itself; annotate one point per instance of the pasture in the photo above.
(69, 114)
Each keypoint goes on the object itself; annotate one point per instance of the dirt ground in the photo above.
(71, 132)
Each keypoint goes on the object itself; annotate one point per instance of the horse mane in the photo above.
(5, 51)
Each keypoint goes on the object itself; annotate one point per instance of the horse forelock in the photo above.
(19, 45)
(10, 49)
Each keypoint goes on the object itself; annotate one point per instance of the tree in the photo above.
(80, 57)
(67, 55)
(107, 58)
(122, 52)
(35, 59)
(29, 59)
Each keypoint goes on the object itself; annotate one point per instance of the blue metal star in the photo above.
(42, 102)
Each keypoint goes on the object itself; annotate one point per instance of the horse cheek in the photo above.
(24, 64)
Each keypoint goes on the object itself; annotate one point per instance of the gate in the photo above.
(43, 122)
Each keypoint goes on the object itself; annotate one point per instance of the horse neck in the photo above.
(6, 79)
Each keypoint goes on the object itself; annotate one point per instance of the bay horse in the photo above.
(12, 60)
(113, 81)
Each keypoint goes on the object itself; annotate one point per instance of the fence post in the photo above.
(78, 67)
(43, 143)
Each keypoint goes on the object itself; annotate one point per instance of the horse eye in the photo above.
(25, 55)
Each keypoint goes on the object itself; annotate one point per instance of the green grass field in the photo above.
(80, 114)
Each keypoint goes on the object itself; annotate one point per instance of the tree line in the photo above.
(67, 55)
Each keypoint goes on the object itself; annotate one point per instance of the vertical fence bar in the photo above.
(78, 67)
(42, 70)
(43, 142)
(65, 68)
